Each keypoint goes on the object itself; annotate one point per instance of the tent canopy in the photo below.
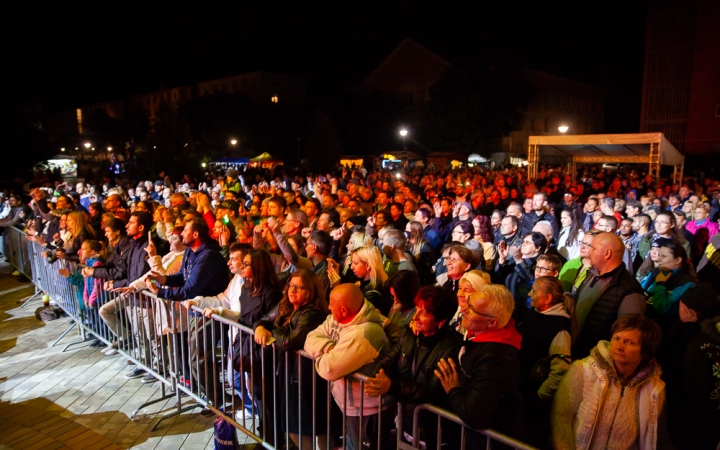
(264, 157)
(644, 148)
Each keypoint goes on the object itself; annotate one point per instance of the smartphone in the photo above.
(226, 220)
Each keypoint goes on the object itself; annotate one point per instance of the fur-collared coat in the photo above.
(594, 410)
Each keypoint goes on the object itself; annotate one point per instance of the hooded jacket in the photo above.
(593, 409)
(116, 267)
(342, 349)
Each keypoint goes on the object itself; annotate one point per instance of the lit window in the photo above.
(274, 99)
(78, 112)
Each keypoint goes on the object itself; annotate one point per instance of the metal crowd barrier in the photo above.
(202, 363)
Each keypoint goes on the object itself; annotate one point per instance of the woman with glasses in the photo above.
(302, 309)
(470, 283)
(260, 294)
(665, 227)
(702, 227)
(573, 272)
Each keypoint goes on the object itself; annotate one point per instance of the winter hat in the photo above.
(702, 299)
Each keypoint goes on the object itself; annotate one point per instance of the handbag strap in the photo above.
(566, 358)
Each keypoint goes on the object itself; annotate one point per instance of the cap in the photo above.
(232, 205)
(231, 173)
(661, 242)
(702, 299)
(159, 183)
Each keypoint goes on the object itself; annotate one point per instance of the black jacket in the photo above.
(415, 362)
(136, 262)
(291, 336)
(116, 266)
(489, 393)
(253, 308)
(529, 221)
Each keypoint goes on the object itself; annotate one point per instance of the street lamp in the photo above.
(403, 133)
(109, 149)
(204, 165)
(87, 145)
(233, 141)
(62, 149)
(563, 128)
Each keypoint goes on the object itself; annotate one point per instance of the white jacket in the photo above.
(594, 410)
(227, 303)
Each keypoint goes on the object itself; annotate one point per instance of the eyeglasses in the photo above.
(296, 288)
(479, 313)
(543, 269)
(586, 245)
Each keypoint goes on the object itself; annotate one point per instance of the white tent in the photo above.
(643, 148)
(475, 158)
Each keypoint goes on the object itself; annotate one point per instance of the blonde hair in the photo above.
(370, 255)
(82, 223)
(416, 232)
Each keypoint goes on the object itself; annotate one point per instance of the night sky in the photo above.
(69, 54)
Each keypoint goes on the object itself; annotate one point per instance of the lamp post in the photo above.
(563, 128)
(403, 133)
(233, 142)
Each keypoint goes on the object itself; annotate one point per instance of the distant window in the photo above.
(274, 99)
(409, 99)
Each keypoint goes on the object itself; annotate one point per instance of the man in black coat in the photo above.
(484, 390)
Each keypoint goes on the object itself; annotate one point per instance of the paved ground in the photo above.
(76, 399)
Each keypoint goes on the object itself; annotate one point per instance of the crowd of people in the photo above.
(565, 313)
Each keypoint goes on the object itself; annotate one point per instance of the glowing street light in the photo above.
(109, 149)
(204, 165)
(563, 128)
(403, 133)
(87, 145)
(233, 141)
(62, 149)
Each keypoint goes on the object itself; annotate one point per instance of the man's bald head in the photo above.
(607, 252)
(346, 300)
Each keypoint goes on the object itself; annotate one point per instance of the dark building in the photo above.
(681, 83)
